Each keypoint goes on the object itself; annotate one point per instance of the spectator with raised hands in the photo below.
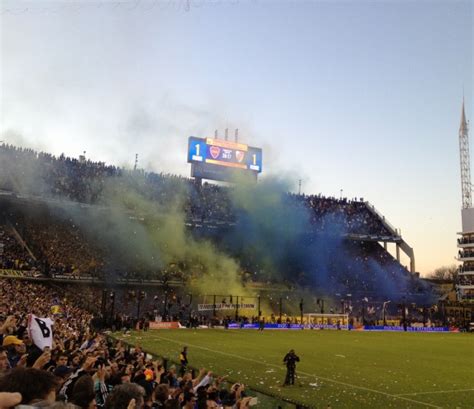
(8, 327)
(86, 368)
(43, 360)
(4, 364)
(15, 350)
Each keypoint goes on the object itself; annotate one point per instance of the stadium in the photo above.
(141, 287)
(136, 251)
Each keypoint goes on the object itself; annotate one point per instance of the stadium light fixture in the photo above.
(384, 307)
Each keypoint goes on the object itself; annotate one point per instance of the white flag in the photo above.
(40, 331)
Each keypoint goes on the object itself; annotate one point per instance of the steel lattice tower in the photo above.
(465, 161)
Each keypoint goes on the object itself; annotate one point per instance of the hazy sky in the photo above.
(363, 96)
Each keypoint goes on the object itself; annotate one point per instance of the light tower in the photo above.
(465, 279)
(465, 161)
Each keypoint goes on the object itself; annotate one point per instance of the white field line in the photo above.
(304, 373)
(428, 393)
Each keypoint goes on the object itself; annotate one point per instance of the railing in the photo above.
(465, 241)
(36, 275)
(464, 254)
(373, 237)
(387, 224)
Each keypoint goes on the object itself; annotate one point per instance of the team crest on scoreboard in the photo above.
(239, 155)
(215, 151)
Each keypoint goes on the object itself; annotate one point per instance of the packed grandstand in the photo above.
(64, 257)
(44, 233)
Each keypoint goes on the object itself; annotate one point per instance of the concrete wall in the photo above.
(468, 220)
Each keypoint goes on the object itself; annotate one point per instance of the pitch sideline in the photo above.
(428, 393)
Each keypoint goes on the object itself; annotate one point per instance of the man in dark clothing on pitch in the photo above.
(290, 360)
(183, 359)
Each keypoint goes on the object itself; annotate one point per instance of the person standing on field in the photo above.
(290, 360)
(183, 359)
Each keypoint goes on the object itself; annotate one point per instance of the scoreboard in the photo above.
(220, 159)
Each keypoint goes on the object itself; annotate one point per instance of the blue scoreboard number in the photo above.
(196, 150)
(254, 159)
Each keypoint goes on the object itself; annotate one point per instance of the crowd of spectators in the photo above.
(12, 254)
(27, 171)
(210, 204)
(468, 239)
(466, 267)
(354, 215)
(61, 249)
(81, 180)
(367, 269)
(84, 368)
(465, 279)
(354, 267)
(466, 253)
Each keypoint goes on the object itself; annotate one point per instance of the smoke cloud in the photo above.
(139, 227)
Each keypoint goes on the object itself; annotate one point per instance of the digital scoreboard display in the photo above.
(219, 159)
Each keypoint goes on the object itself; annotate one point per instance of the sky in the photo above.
(363, 96)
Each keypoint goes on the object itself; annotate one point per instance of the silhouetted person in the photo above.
(290, 360)
(183, 359)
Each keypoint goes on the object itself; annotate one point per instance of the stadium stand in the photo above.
(57, 245)
(37, 173)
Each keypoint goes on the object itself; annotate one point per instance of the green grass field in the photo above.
(345, 369)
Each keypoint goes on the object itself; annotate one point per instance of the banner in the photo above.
(164, 325)
(11, 273)
(20, 273)
(225, 306)
(290, 326)
(40, 331)
(400, 328)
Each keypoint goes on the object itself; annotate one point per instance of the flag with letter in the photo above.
(40, 331)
